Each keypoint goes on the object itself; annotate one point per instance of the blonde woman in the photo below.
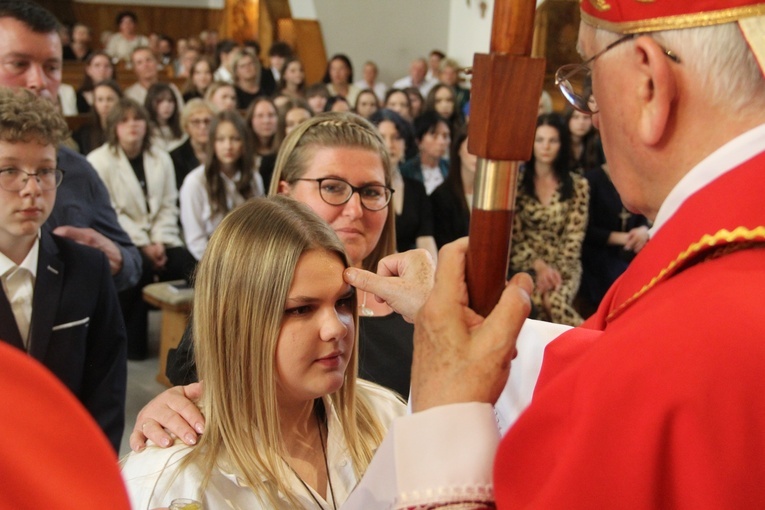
(275, 327)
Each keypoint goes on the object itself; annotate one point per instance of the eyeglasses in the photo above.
(12, 179)
(334, 191)
(575, 80)
(200, 122)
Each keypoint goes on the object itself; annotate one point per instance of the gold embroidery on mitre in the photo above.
(722, 237)
(645, 1)
(698, 19)
(601, 5)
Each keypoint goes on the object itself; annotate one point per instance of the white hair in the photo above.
(717, 58)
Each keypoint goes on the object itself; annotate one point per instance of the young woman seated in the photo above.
(275, 335)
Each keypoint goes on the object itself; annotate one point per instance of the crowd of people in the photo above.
(307, 355)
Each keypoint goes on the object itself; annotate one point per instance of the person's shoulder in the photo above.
(194, 180)
(76, 253)
(386, 404)
(157, 474)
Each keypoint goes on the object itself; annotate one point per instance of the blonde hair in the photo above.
(192, 107)
(336, 129)
(242, 284)
(24, 117)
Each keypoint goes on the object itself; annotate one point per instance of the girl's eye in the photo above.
(345, 303)
(297, 311)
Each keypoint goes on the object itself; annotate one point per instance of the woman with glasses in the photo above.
(275, 327)
(337, 164)
(550, 222)
(141, 185)
(196, 117)
(226, 179)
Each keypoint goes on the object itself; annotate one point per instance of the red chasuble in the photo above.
(660, 403)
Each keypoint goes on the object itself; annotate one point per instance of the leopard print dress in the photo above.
(553, 233)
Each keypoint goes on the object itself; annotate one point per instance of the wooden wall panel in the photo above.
(306, 39)
(174, 21)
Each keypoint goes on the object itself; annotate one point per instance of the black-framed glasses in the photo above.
(13, 179)
(575, 80)
(335, 191)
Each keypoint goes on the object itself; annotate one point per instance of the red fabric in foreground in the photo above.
(52, 453)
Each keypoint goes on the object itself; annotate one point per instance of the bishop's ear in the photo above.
(657, 88)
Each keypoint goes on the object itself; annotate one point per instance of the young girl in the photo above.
(227, 179)
(141, 183)
(93, 134)
(292, 81)
(200, 78)
(275, 328)
(162, 106)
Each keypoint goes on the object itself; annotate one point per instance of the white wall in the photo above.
(394, 32)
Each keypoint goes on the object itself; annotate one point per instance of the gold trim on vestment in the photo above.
(696, 19)
(707, 241)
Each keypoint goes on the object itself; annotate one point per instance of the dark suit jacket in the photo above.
(267, 82)
(77, 330)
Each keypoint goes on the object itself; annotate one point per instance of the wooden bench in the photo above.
(175, 305)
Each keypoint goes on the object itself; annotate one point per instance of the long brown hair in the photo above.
(245, 186)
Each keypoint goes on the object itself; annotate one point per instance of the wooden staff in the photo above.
(504, 101)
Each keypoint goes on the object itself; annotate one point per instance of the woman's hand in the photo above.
(156, 254)
(547, 278)
(173, 411)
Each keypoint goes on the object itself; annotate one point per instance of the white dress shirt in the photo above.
(18, 285)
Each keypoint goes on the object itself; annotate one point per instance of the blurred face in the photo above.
(366, 105)
(164, 47)
(449, 76)
(264, 119)
(201, 75)
(317, 333)
(393, 141)
(370, 73)
(104, 99)
(339, 72)
(444, 102)
(130, 131)
(294, 74)
(23, 212)
(359, 229)
(245, 68)
(399, 103)
(294, 117)
(165, 107)
(144, 65)
(127, 26)
(29, 60)
(198, 127)
(416, 104)
(435, 144)
(276, 61)
(317, 103)
(546, 144)
(188, 58)
(100, 69)
(468, 161)
(579, 124)
(434, 61)
(81, 34)
(417, 71)
(228, 144)
(224, 99)
(341, 106)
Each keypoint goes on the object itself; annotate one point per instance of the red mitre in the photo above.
(638, 16)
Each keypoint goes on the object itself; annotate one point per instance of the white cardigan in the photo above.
(146, 219)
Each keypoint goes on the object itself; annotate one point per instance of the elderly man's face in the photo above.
(417, 71)
(28, 59)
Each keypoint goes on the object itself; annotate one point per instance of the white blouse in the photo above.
(197, 219)
(153, 481)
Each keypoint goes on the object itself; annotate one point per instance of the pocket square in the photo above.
(72, 324)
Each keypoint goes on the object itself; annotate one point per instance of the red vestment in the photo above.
(660, 403)
(52, 453)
